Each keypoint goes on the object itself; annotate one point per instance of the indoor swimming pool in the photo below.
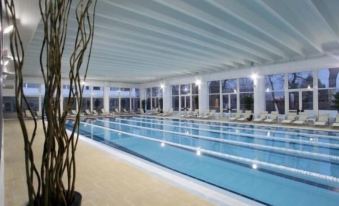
(268, 164)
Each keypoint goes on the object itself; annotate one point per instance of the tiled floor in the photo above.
(102, 179)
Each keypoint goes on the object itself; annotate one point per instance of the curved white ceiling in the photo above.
(145, 40)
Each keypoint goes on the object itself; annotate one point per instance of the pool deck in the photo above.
(102, 178)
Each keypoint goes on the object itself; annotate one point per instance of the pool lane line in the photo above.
(255, 136)
(304, 154)
(248, 162)
(196, 122)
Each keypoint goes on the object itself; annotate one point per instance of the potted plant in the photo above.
(53, 183)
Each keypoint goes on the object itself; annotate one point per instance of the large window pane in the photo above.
(98, 104)
(245, 85)
(274, 82)
(328, 78)
(32, 89)
(307, 100)
(98, 91)
(33, 102)
(326, 99)
(125, 92)
(300, 80)
(185, 103)
(175, 103)
(135, 104)
(9, 104)
(293, 98)
(246, 101)
(125, 104)
(214, 102)
(114, 92)
(113, 104)
(275, 101)
(195, 102)
(214, 87)
(86, 104)
(229, 86)
(195, 89)
(135, 92)
(175, 90)
(184, 89)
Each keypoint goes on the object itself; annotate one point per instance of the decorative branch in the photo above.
(46, 187)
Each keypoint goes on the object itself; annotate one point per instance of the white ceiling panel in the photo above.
(146, 40)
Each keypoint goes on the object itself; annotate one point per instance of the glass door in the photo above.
(293, 100)
(229, 103)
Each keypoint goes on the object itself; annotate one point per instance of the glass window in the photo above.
(185, 103)
(135, 104)
(148, 92)
(98, 91)
(307, 100)
(113, 104)
(33, 102)
(125, 104)
(195, 89)
(135, 92)
(214, 102)
(98, 104)
(184, 89)
(293, 98)
(274, 82)
(245, 85)
(327, 99)
(9, 104)
(275, 101)
(86, 104)
(328, 78)
(32, 89)
(87, 91)
(114, 92)
(300, 80)
(229, 102)
(246, 101)
(175, 90)
(214, 87)
(125, 92)
(229, 86)
(175, 103)
(195, 102)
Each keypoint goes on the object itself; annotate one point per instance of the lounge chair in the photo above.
(235, 117)
(116, 111)
(336, 123)
(95, 112)
(289, 119)
(246, 115)
(322, 120)
(273, 117)
(262, 117)
(301, 119)
(168, 113)
(87, 112)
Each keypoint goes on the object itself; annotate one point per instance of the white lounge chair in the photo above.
(262, 117)
(301, 119)
(336, 123)
(273, 117)
(322, 120)
(246, 115)
(289, 119)
(235, 117)
(87, 112)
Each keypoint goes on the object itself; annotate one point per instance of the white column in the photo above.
(315, 93)
(91, 98)
(286, 93)
(167, 97)
(106, 98)
(238, 96)
(203, 97)
(259, 95)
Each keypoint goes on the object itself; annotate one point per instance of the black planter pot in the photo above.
(76, 201)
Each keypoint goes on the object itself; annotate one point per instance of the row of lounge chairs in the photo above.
(290, 118)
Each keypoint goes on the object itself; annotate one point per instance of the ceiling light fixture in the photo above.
(198, 82)
(162, 86)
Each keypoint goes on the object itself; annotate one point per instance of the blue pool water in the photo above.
(271, 165)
